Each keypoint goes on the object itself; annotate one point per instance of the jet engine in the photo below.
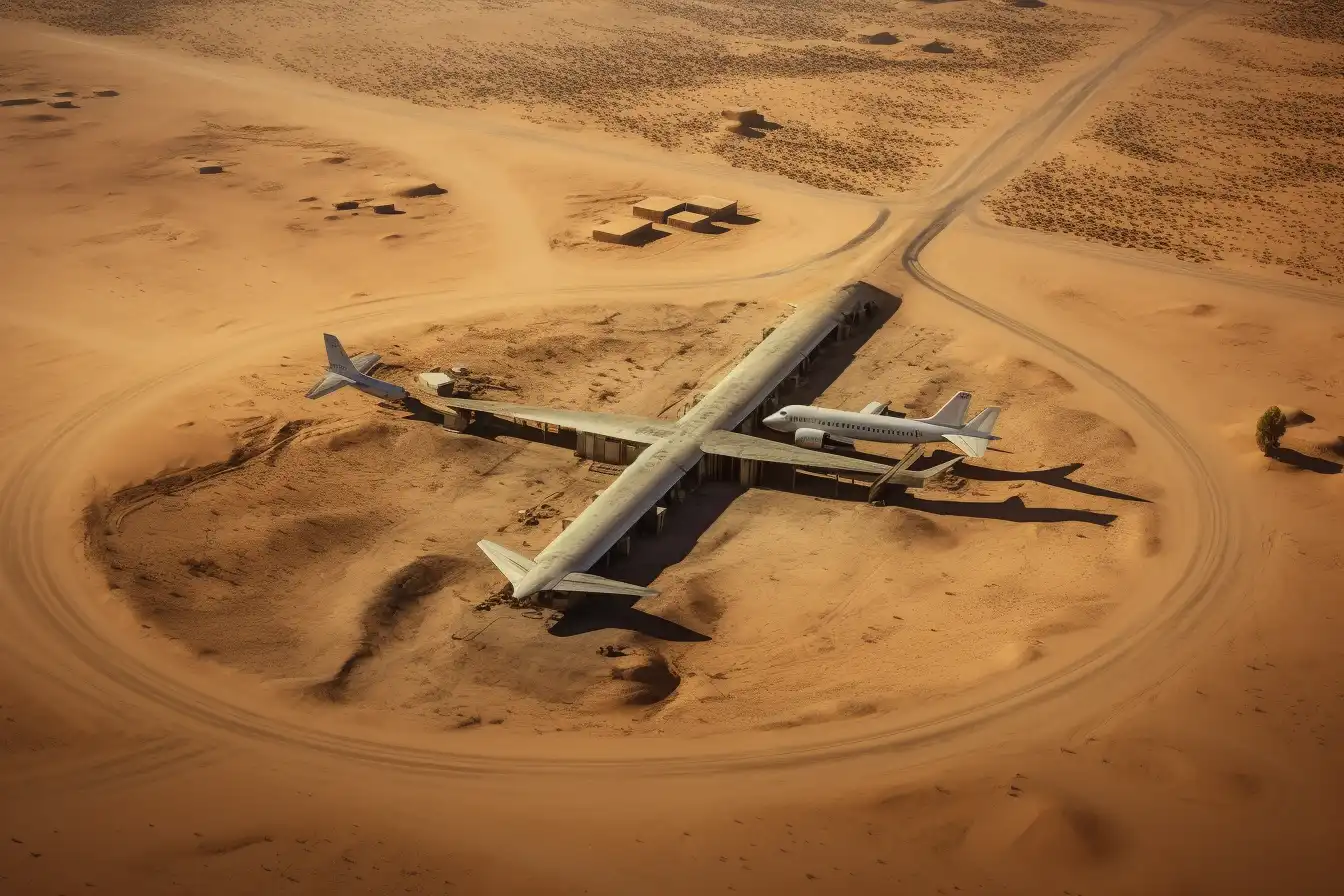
(809, 438)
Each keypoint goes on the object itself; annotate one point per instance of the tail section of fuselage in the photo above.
(974, 438)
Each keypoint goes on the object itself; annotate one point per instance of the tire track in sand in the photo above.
(25, 510)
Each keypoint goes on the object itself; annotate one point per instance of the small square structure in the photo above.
(690, 221)
(623, 230)
(658, 208)
(436, 383)
(713, 207)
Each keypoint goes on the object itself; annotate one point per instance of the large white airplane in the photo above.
(814, 427)
(672, 449)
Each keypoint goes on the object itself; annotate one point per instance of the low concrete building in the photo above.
(690, 221)
(658, 208)
(436, 383)
(713, 207)
(627, 231)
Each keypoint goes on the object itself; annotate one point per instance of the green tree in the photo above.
(1269, 429)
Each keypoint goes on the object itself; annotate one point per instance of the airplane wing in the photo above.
(745, 447)
(875, 407)
(617, 426)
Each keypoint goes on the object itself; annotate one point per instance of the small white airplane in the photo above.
(342, 372)
(816, 427)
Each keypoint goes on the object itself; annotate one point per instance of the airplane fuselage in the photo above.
(861, 427)
(663, 463)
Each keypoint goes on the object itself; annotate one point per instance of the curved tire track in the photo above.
(58, 599)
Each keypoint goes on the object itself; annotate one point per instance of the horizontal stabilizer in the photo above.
(329, 383)
(587, 583)
(366, 362)
(969, 445)
(514, 565)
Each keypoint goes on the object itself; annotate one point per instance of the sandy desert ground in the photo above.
(247, 638)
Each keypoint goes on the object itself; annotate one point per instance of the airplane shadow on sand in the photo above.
(1012, 509)
(691, 519)
(1058, 477)
(598, 612)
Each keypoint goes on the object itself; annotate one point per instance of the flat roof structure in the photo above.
(658, 208)
(689, 221)
(713, 206)
(623, 230)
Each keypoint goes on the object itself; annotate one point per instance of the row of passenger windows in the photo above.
(899, 432)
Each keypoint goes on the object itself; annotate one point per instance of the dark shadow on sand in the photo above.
(653, 235)
(1058, 477)
(599, 612)
(1306, 462)
(1013, 510)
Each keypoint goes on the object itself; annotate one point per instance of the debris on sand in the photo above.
(533, 516)
(936, 46)
(210, 169)
(387, 208)
(880, 38)
(106, 93)
(421, 190)
(744, 115)
(346, 205)
(62, 104)
(21, 101)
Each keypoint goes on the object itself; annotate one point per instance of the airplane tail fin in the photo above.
(953, 413)
(342, 371)
(975, 436)
(337, 360)
(513, 564)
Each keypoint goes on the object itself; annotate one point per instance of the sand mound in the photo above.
(386, 617)
(910, 528)
(653, 678)
(829, 711)
(880, 38)
(417, 191)
(1018, 655)
(1070, 833)
(1297, 416)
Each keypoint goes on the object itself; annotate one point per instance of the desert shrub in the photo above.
(1269, 429)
